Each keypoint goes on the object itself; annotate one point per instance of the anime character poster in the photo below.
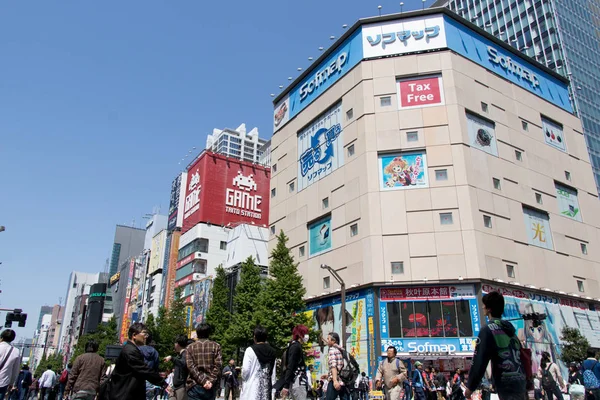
(403, 171)
(202, 298)
(327, 317)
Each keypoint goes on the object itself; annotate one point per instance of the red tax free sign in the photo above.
(420, 92)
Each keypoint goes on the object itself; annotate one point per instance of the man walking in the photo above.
(9, 362)
(85, 375)
(391, 374)
(24, 381)
(294, 379)
(180, 372)
(591, 375)
(335, 388)
(498, 343)
(204, 363)
(62, 381)
(418, 381)
(257, 368)
(231, 380)
(128, 379)
(47, 382)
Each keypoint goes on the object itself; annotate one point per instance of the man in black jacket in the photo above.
(128, 380)
(180, 371)
(294, 379)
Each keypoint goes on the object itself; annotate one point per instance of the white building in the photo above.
(236, 143)
(247, 240)
(40, 341)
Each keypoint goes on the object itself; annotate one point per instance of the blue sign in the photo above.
(314, 155)
(489, 55)
(430, 345)
(319, 236)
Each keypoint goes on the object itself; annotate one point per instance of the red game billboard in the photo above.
(222, 190)
(420, 92)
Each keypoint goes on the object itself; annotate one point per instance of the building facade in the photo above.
(564, 35)
(43, 311)
(428, 162)
(128, 242)
(236, 143)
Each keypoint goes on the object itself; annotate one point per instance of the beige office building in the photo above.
(428, 163)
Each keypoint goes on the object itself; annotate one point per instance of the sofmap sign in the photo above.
(405, 36)
(491, 56)
(431, 345)
(319, 80)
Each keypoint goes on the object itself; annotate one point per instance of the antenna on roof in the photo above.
(379, 8)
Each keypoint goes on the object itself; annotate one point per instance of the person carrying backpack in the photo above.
(551, 377)
(391, 374)
(363, 387)
(294, 379)
(336, 387)
(497, 343)
(591, 375)
(62, 380)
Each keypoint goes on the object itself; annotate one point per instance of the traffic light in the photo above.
(536, 318)
(15, 316)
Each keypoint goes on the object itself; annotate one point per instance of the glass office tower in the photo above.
(562, 34)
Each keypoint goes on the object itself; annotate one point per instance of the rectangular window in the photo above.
(274, 168)
(463, 313)
(397, 267)
(291, 187)
(518, 155)
(412, 136)
(326, 282)
(446, 218)
(496, 183)
(273, 192)
(223, 245)
(441, 174)
(394, 320)
(353, 230)
(449, 315)
(580, 286)
(385, 101)
(484, 107)
(420, 317)
(525, 125)
(301, 251)
(583, 248)
(408, 320)
(487, 221)
(272, 229)
(349, 114)
(510, 271)
(567, 175)
(325, 203)
(436, 322)
(351, 150)
(538, 198)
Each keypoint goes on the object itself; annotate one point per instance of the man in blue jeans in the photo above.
(417, 381)
(336, 387)
(591, 364)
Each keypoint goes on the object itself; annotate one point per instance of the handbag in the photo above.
(576, 389)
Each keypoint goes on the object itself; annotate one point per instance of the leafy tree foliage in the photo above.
(218, 315)
(105, 334)
(575, 345)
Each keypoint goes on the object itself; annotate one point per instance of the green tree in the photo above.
(281, 303)
(575, 345)
(169, 324)
(105, 334)
(245, 302)
(218, 315)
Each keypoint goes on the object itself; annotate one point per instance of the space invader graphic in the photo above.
(244, 182)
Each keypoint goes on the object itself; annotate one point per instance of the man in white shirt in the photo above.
(9, 362)
(47, 382)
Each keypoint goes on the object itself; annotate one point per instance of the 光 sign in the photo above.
(321, 78)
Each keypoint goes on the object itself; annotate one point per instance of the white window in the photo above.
(325, 203)
(446, 218)
(223, 245)
(351, 150)
(518, 155)
(567, 175)
(326, 282)
(538, 198)
(291, 186)
(580, 286)
(349, 114)
(496, 183)
(273, 192)
(301, 251)
(274, 168)
(397, 267)
(441, 174)
(510, 270)
(583, 248)
(353, 230)
(272, 229)
(525, 125)
(487, 221)
(484, 107)
(385, 101)
(412, 136)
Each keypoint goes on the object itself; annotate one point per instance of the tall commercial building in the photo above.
(129, 242)
(236, 143)
(435, 163)
(43, 311)
(564, 35)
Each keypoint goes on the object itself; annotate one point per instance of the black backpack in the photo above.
(350, 370)
(548, 381)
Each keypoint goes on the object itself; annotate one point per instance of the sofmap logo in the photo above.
(321, 76)
(315, 154)
(387, 39)
(512, 67)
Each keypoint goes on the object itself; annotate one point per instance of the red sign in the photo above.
(186, 260)
(420, 92)
(184, 281)
(438, 292)
(221, 190)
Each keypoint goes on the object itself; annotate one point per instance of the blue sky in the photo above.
(100, 100)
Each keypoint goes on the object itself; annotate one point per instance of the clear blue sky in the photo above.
(99, 100)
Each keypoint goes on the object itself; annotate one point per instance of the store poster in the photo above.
(326, 317)
(482, 134)
(568, 202)
(319, 236)
(403, 171)
(537, 225)
(202, 299)
(553, 134)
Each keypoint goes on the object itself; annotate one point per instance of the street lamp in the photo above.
(343, 305)
(2, 228)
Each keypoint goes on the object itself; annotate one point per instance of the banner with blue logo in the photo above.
(320, 147)
(319, 236)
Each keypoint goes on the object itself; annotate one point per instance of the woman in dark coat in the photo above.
(128, 380)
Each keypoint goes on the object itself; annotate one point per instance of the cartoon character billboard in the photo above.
(202, 298)
(403, 170)
(319, 236)
(326, 316)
